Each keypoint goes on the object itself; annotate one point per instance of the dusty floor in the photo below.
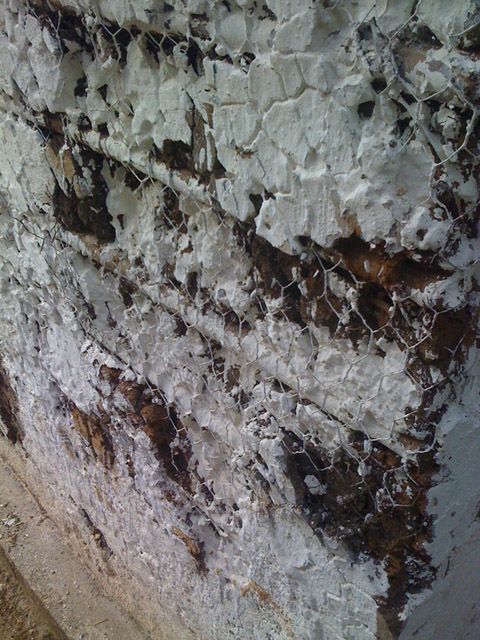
(22, 617)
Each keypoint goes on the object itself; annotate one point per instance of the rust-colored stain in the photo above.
(266, 599)
(373, 263)
(94, 430)
(192, 546)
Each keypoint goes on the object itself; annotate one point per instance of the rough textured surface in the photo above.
(21, 617)
(51, 596)
(239, 348)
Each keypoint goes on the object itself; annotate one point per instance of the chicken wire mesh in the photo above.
(321, 372)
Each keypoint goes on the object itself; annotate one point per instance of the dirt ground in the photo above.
(22, 617)
(46, 592)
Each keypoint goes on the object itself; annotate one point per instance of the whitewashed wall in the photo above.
(238, 249)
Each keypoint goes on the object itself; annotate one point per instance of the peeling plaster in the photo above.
(238, 249)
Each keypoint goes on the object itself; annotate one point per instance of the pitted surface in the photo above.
(239, 248)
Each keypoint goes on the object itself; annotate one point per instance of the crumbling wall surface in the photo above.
(238, 327)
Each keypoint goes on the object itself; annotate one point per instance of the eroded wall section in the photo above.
(239, 247)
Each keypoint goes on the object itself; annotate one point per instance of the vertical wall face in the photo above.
(239, 306)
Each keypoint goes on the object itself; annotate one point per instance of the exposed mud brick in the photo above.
(95, 433)
(9, 409)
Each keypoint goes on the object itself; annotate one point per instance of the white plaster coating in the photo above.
(300, 126)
